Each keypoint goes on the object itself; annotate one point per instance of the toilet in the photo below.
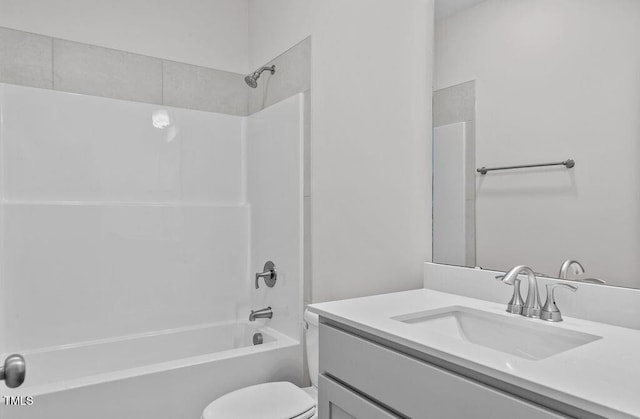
(278, 400)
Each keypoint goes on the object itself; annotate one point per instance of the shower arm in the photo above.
(261, 70)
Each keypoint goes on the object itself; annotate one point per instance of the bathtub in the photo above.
(171, 374)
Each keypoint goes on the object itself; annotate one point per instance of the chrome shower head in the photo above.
(252, 79)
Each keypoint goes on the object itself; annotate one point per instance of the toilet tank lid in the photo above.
(311, 318)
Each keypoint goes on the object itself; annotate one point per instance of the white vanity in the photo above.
(432, 354)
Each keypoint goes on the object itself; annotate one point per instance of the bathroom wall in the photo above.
(566, 91)
(211, 33)
(370, 190)
(276, 26)
(371, 146)
(112, 226)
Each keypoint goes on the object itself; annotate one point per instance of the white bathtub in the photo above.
(172, 374)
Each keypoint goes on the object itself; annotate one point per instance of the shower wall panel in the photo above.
(275, 191)
(117, 218)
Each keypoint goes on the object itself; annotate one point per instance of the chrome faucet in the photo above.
(531, 307)
(264, 313)
(564, 269)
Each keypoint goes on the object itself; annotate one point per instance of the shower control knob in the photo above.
(13, 371)
(270, 275)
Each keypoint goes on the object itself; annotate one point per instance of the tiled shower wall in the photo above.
(40, 61)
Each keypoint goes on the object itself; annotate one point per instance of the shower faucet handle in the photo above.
(270, 275)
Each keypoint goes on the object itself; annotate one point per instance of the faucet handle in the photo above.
(515, 304)
(550, 311)
(270, 275)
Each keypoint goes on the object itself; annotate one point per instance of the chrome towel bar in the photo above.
(567, 163)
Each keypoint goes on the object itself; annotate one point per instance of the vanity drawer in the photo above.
(338, 402)
(413, 387)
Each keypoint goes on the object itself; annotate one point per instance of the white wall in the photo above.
(555, 79)
(371, 146)
(275, 26)
(444, 8)
(211, 33)
(371, 141)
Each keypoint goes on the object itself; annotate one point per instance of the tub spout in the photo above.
(264, 313)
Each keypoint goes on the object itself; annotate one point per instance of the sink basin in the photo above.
(533, 340)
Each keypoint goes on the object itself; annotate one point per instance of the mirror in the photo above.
(527, 82)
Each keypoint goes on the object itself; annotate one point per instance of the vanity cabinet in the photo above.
(362, 379)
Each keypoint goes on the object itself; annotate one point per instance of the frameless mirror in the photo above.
(538, 82)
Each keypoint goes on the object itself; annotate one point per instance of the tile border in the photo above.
(62, 65)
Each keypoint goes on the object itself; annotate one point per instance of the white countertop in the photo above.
(602, 377)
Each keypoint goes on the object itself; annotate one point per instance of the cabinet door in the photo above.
(338, 402)
(413, 387)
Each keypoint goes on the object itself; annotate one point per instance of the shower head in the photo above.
(252, 79)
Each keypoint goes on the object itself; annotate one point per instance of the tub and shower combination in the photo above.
(130, 237)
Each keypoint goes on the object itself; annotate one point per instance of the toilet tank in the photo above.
(312, 334)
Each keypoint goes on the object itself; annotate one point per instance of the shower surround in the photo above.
(132, 231)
